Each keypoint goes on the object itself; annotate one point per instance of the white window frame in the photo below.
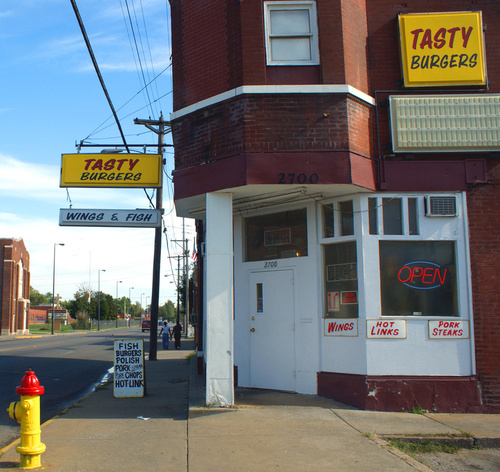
(430, 229)
(313, 35)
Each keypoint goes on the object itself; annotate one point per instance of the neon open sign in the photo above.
(422, 275)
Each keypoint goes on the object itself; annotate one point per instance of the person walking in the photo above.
(177, 335)
(165, 331)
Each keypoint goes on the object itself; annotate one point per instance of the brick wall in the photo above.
(273, 123)
(12, 252)
(484, 229)
(200, 32)
(220, 45)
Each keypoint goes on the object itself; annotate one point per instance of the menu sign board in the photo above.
(129, 377)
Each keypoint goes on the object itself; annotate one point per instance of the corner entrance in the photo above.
(272, 330)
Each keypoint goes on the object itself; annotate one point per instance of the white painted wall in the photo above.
(314, 352)
(219, 300)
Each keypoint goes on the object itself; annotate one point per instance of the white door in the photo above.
(272, 346)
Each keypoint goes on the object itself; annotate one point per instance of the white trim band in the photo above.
(271, 89)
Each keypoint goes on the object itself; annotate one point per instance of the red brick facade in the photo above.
(14, 286)
(246, 139)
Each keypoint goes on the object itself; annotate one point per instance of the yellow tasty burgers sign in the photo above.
(111, 170)
(442, 49)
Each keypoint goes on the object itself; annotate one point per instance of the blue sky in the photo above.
(51, 99)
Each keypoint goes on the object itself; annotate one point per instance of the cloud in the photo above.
(29, 209)
(24, 180)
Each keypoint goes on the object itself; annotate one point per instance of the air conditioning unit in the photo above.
(440, 205)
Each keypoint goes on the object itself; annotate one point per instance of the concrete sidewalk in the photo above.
(170, 430)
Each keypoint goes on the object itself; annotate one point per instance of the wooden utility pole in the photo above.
(155, 294)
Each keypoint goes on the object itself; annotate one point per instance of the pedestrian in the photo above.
(177, 335)
(165, 330)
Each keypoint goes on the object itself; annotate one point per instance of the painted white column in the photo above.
(219, 299)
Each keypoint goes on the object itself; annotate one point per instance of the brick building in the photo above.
(14, 287)
(341, 159)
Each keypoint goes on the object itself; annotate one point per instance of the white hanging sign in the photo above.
(121, 218)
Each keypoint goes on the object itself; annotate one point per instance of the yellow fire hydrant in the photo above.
(27, 413)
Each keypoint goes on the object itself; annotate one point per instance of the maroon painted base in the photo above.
(402, 393)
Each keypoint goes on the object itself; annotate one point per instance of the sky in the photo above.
(51, 100)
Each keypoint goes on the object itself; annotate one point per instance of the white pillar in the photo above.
(219, 299)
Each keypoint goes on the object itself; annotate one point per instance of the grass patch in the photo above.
(47, 328)
(418, 410)
(424, 447)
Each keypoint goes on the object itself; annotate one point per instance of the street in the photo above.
(68, 366)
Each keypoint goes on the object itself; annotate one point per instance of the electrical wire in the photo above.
(98, 72)
(137, 52)
(99, 128)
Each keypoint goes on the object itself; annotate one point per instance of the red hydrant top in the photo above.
(30, 385)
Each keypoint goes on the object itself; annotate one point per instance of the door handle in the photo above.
(252, 329)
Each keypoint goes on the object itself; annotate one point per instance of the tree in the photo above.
(37, 298)
(135, 309)
(167, 311)
(80, 304)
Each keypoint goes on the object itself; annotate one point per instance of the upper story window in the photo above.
(291, 33)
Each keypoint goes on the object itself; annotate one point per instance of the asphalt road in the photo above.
(68, 366)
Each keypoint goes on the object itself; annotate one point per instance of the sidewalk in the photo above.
(169, 430)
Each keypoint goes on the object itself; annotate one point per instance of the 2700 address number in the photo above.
(292, 178)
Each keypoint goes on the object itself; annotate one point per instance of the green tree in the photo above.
(167, 311)
(135, 310)
(80, 303)
(37, 298)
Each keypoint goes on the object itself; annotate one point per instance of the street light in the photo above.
(118, 282)
(99, 297)
(125, 308)
(54, 284)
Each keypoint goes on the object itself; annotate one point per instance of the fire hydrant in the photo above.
(27, 414)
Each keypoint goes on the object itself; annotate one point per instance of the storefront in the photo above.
(348, 200)
(369, 286)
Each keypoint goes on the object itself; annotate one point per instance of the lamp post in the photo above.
(118, 282)
(99, 298)
(129, 297)
(54, 284)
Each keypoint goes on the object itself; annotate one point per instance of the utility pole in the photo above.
(186, 265)
(178, 283)
(155, 294)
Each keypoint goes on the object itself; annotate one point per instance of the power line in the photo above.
(96, 67)
(138, 54)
